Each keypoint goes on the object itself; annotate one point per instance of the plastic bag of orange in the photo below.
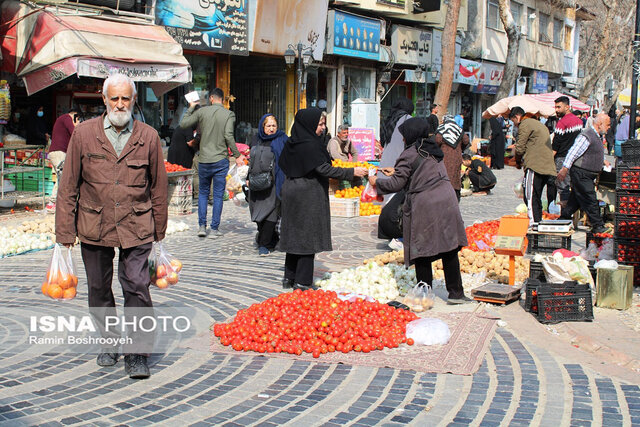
(164, 269)
(61, 280)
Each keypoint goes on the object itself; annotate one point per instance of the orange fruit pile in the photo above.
(337, 163)
(367, 209)
(60, 285)
(349, 193)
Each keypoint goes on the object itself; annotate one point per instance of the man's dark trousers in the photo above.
(583, 196)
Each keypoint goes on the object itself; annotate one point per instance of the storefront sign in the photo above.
(279, 23)
(436, 55)
(490, 78)
(539, 82)
(411, 46)
(467, 72)
(213, 25)
(352, 35)
(364, 140)
(414, 76)
(102, 68)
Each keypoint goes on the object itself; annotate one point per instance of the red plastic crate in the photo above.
(627, 203)
(628, 226)
(627, 250)
(628, 178)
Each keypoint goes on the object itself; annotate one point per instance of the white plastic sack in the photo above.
(606, 263)
(428, 331)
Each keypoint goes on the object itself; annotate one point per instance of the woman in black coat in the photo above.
(37, 129)
(183, 147)
(306, 220)
(497, 144)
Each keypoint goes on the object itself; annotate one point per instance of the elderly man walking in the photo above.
(533, 151)
(584, 162)
(114, 195)
(216, 126)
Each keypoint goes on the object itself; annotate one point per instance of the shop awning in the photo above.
(59, 46)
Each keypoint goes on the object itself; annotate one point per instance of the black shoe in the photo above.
(456, 301)
(305, 287)
(287, 283)
(135, 365)
(107, 359)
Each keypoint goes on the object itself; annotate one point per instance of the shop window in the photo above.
(531, 22)
(493, 15)
(568, 38)
(543, 28)
(357, 84)
(557, 33)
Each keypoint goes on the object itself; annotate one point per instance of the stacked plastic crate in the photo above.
(627, 219)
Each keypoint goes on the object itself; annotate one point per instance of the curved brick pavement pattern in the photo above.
(519, 382)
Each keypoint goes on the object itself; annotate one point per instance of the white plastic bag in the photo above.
(428, 331)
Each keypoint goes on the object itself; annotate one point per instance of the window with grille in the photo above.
(543, 28)
(531, 21)
(516, 12)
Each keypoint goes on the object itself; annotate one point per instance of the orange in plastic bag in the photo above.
(164, 269)
(61, 280)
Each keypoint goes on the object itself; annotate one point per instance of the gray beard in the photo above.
(119, 118)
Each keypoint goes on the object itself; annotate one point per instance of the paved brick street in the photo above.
(528, 377)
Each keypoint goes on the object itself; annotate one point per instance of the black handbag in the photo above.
(261, 173)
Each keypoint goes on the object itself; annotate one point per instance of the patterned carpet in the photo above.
(471, 333)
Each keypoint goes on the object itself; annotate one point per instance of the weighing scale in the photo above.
(555, 226)
(511, 240)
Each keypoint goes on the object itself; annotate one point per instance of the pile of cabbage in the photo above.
(14, 241)
(383, 283)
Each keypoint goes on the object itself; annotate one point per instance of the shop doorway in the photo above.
(259, 87)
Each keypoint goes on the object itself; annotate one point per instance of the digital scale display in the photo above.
(513, 243)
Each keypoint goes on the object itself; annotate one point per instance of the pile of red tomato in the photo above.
(482, 237)
(630, 179)
(628, 204)
(315, 322)
(170, 167)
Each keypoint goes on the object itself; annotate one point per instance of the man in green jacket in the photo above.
(216, 125)
(534, 152)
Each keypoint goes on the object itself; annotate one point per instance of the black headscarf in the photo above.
(417, 130)
(400, 108)
(303, 151)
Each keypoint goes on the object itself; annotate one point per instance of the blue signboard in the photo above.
(540, 82)
(214, 25)
(355, 36)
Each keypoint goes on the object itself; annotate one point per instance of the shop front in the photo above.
(355, 40)
(263, 82)
(411, 52)
(58, 61)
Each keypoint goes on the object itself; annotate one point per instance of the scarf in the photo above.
(417, 131)
(277, 142)
(450, 131)
(303, 151)
(400, 108)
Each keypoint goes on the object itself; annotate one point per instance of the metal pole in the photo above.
(299, 91)
(634, 79)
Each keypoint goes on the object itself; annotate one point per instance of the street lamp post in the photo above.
(303, 53)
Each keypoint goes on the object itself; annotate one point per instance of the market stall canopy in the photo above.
(625, 97)
(48, 48)
(550, 97)
(527, 102)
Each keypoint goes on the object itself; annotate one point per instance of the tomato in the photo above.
(315, 322)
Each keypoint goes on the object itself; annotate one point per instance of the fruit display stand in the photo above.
(627, 214)
(33, 163)
(180, 192)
